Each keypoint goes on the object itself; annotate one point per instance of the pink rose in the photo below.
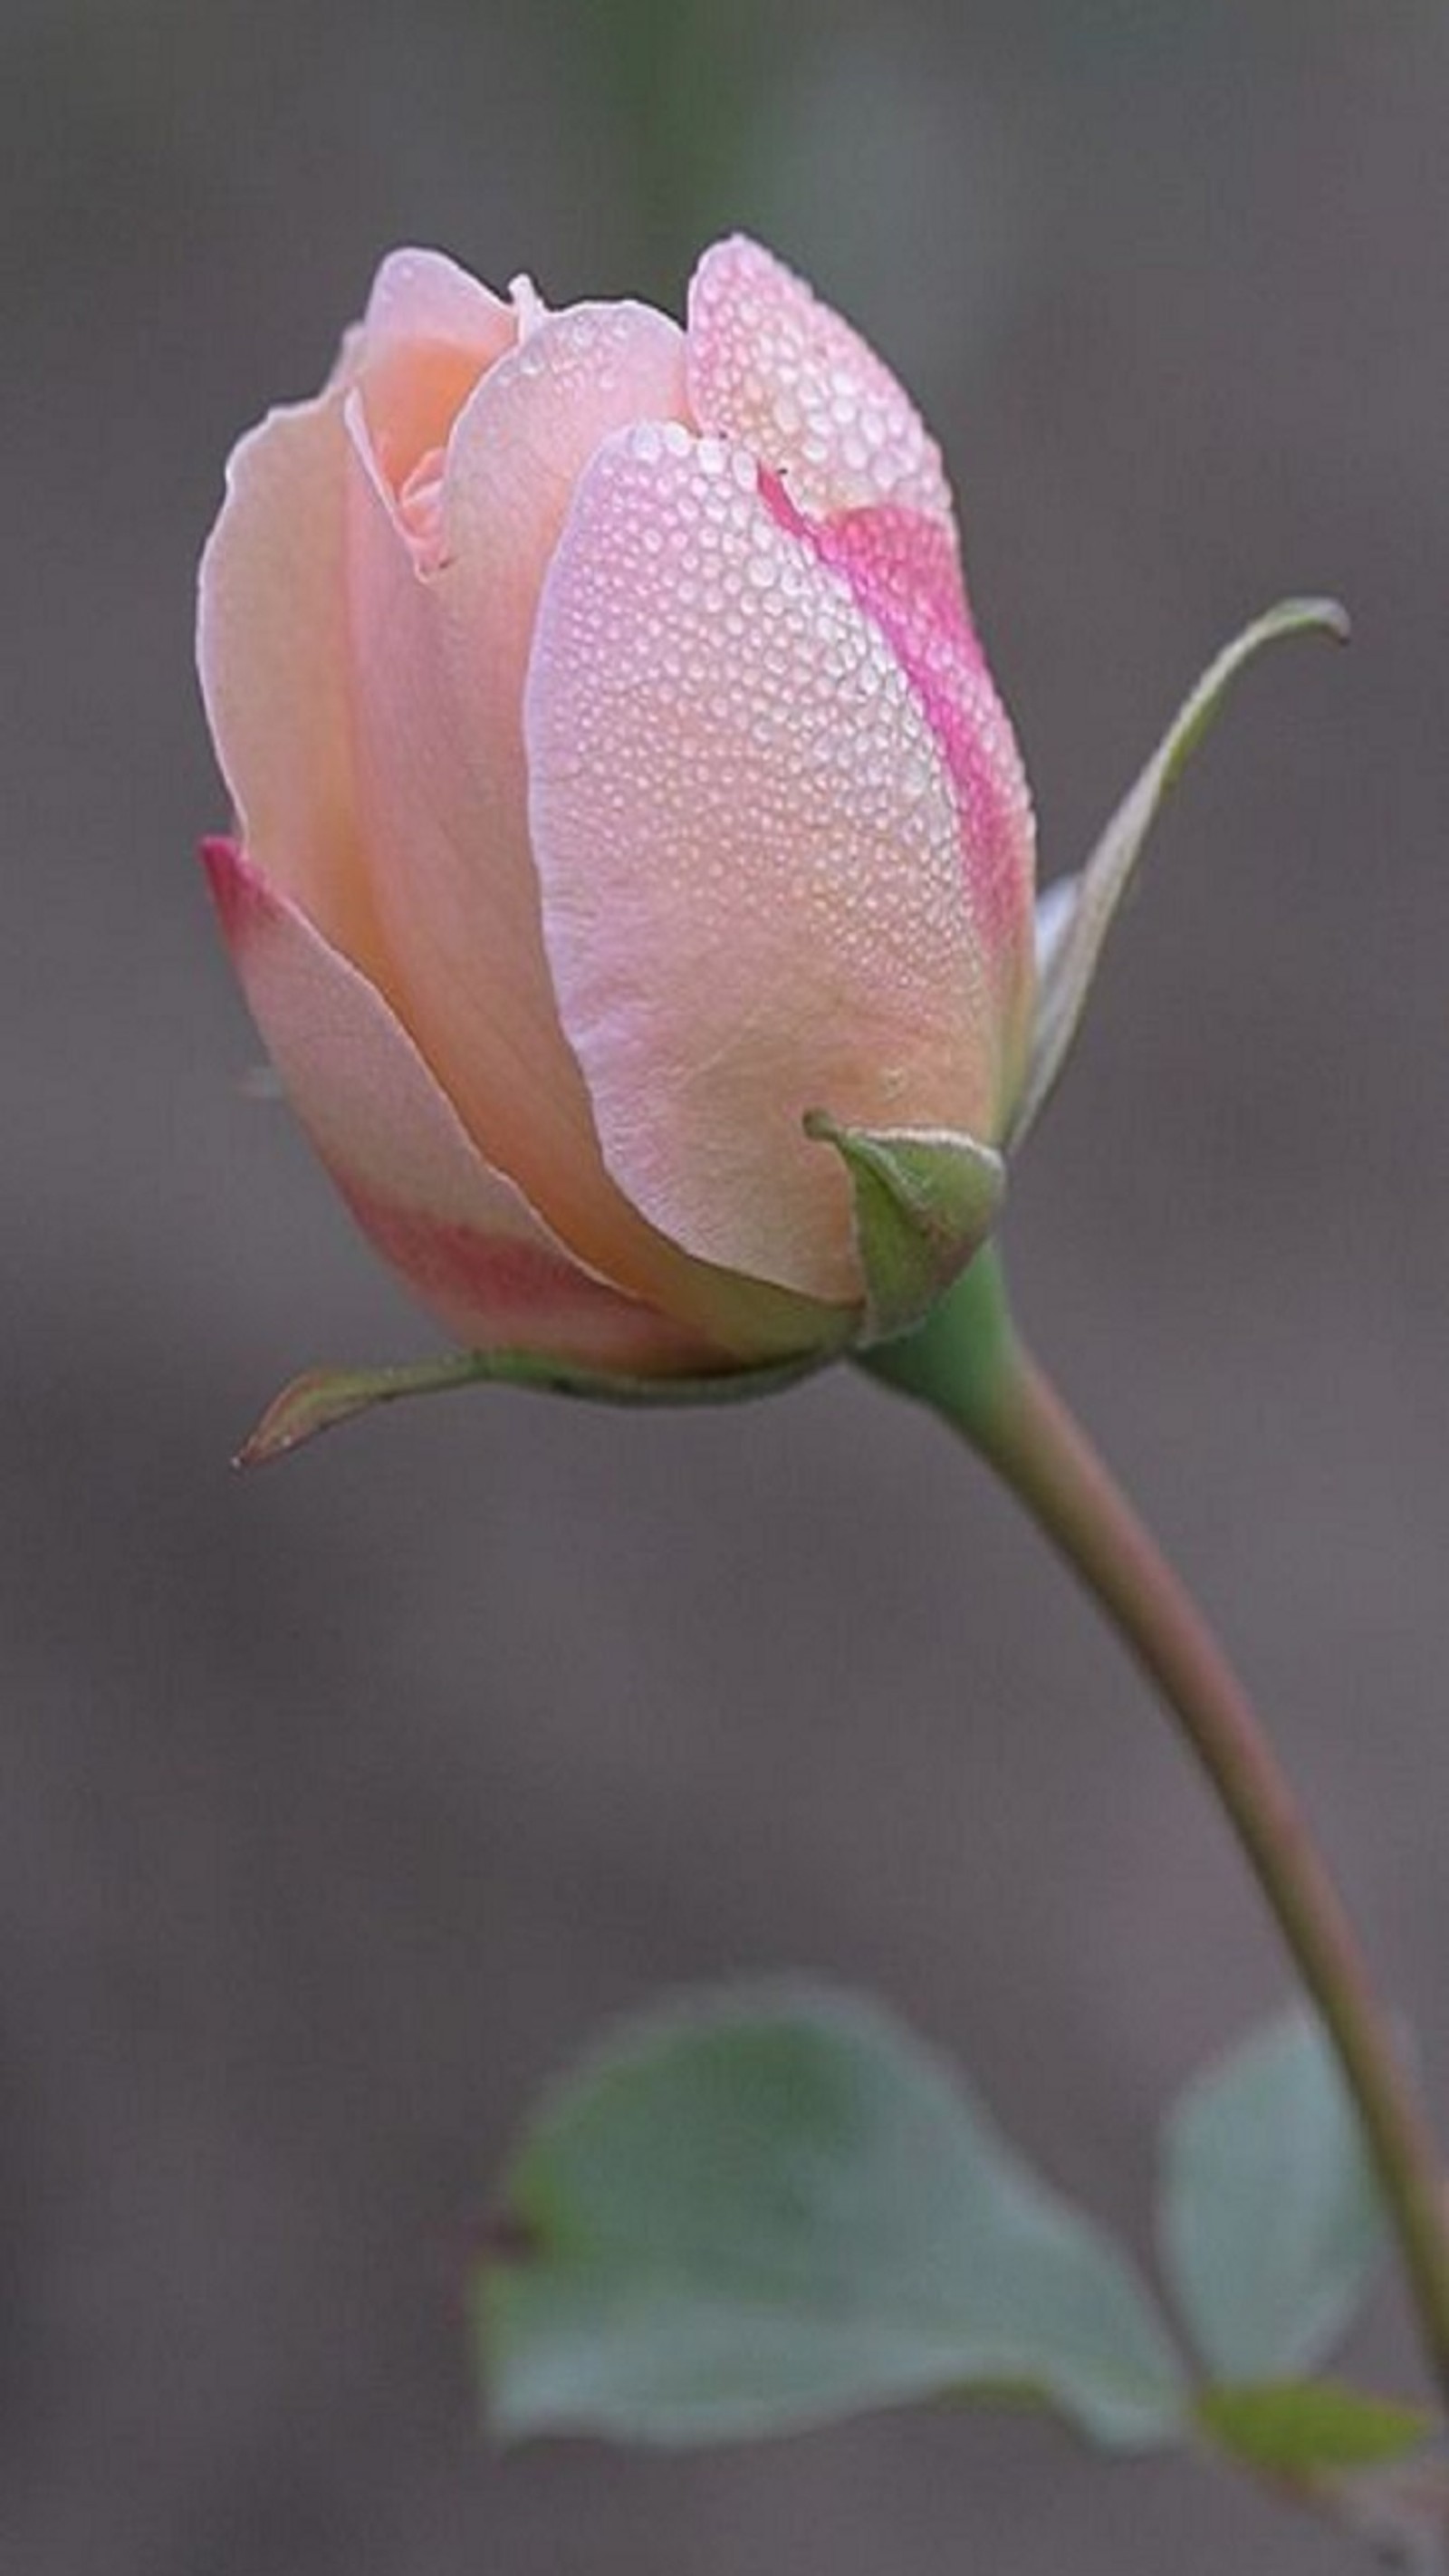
(619, 785)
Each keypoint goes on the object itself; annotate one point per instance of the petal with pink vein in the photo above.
(747, 834)
(904, 572)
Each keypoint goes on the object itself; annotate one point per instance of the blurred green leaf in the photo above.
(774, 2208)
(685, 81)
(1270, 2216)
(1304, 2427)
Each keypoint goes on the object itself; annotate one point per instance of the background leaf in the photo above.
(777, 2208)
(1270, 2217)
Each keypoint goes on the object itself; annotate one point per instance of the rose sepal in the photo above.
(322, 1398)
(925, 1201)
(1075, 914)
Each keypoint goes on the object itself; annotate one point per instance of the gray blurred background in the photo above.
(341, 1805)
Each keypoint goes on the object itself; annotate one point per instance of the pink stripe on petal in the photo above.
(904, 571)
(498, 1291)
(773, 367)
(746, 828)
(460, 1236)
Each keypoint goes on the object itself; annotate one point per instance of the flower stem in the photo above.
(970, 1365)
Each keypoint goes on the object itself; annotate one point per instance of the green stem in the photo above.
(968, 1363)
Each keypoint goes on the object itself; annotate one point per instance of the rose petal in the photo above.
(273, 652)
(431, 331)
(439, 667)
(854, 469)
(904, 571)
(423, 295)
(464, 1241)
(313, 639)
(273, 640)
(773, 367)
(748, 839)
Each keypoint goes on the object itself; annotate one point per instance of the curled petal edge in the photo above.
(1075, 914)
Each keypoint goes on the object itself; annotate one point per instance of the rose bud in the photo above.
(632, 876)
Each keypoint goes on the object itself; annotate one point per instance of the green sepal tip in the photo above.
(925, 1201)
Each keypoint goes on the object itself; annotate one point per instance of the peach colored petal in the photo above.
(461, 1237)
(773, 367)
(334, 608)
(747, 834)
(423, 295)
(273, 651)
(272, 642)
(431, 331)
(440, 665)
